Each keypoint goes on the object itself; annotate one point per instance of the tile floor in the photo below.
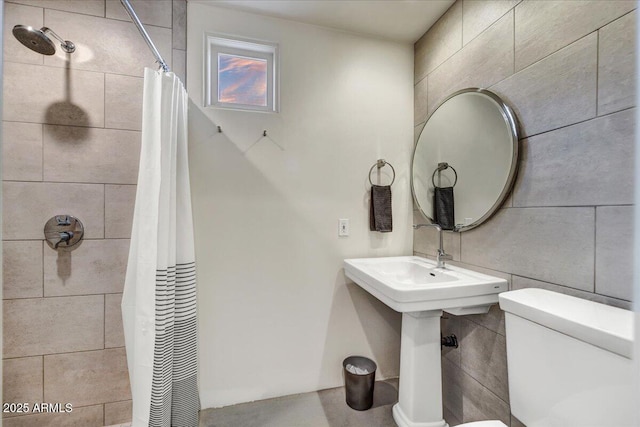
(326, 408)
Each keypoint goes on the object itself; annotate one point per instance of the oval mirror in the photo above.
(467, 152)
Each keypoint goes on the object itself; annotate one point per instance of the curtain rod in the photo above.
(127, 6)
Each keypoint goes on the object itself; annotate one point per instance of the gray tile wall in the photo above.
(71, 144)
(568, 70)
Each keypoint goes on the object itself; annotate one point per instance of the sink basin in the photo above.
(412, 283)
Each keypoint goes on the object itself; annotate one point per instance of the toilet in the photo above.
(569, 361)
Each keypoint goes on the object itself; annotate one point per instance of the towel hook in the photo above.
(380, 163)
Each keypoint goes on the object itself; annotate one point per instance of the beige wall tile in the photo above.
(180, 24)
(452, 388)
(477, 16)
(39, 94)
(29, 205)
(22, 380)
(21, 151)
(614, 251)
(523, 282)
(80, 154)
(113, 329)
(616, 65)
(87, 377)
(426, 240)
(544, 27)
(582, 164)
(179, 61)
(483, 355)
(118, 49)
(96, 267)
(442, 40)
(123, 102)
(479, 403)
(151, 12)
(88, 416)
(117, 412)
(420, 104)
(22, 269)
(559, 90)
(493, 320)
(472, 67)
(119, 204)
(516, 422)
(16, 14)
(86, 7)
(52, 325)
(551, 244)
(416, 132)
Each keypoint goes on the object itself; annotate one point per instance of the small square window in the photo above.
(240, 74)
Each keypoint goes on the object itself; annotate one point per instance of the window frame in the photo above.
(216, 44)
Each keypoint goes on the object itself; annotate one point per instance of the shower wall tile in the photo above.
(22, 269)
(52, 95)
(442, 40)
(96, 267)
(113, 329)
(452, 388)
(550, 244)
(478, 16)
(22, 380)
(83, 416)
(614, 251)
(558, 91)
(21, 151)
(123, 102)
(179, 59)
(117, 412)
(80, 154)
(52, 325)
(179, 24)
(543, 27)
(29, 205)
(472, 67)
(524, 282)
(87, 378)
(86, 7)
(616, 65)
(554, 172)
(119, 204)
(150, 12)
(119, 50)
(483, 355)
(16, 14)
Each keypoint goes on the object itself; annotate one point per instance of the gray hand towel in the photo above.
(443, 212)
(380, 209)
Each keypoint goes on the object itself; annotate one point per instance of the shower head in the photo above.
(39, 41)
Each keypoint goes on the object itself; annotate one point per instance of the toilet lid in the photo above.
(489, 423)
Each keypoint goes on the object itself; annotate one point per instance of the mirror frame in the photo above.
(510, 119)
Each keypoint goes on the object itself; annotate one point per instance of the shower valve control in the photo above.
(63, 232)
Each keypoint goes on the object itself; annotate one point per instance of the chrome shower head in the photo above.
(39, 41)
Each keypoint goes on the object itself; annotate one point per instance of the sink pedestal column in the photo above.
(420, 395)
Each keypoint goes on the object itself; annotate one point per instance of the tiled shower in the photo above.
(71, 145)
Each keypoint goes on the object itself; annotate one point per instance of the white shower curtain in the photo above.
(159, 300)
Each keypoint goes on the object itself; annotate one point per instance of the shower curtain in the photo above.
(159, 300)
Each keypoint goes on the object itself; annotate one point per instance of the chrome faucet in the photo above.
(441, 256)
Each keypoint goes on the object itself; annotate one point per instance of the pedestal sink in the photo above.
(415, 287)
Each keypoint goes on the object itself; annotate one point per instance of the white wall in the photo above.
(277, 315)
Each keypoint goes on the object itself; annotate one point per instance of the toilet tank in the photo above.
(569, 360)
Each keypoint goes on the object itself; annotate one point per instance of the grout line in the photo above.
(68, 352)
(68, 182)
(597, 67)
(42, 360)
(595, 247)
(73, 126)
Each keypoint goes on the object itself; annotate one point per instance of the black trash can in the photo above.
(359, 380)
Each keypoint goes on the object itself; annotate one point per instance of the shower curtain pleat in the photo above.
(159, 300)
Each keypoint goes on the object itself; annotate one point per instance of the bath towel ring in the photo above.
(380, 163)
(442, 166)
